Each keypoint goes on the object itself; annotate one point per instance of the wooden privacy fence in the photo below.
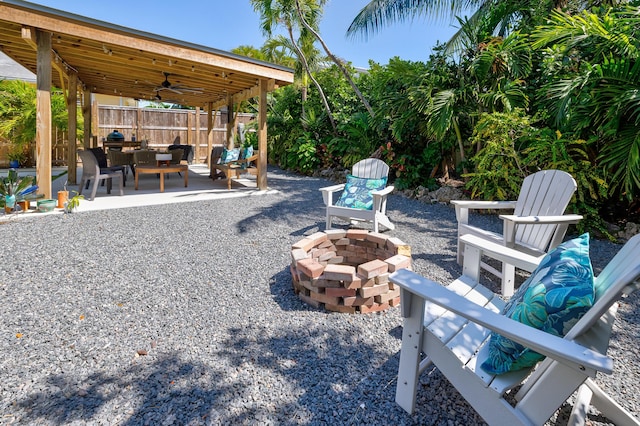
(164, 127)
(160, 127)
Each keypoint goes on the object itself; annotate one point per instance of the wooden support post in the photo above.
(72, 109)
(209, 134)
(95, 124)
(230, 121)
(43, 114)
(196, 156)
(262, 136)
(190, 130)
(86, 114)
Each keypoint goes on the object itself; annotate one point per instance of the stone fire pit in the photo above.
(348, 270)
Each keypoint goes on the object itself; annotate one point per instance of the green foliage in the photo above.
(18, 115)
(303, 158)
(578, 72)
(498, 170)
(593, 81)
(552, 150)
(356, 141)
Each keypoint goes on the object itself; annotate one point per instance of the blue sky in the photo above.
(225, 24)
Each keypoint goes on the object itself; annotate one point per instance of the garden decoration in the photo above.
(13, 189)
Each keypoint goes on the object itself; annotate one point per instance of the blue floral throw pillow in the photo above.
(247, 152)
(229, 155)
(357, 192)
(552, 299)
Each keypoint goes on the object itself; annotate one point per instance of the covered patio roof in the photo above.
(115, 60)
(79, 54)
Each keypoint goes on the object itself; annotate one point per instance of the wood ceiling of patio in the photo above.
(114, 60)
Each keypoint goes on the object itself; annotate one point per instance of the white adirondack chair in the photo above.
(451, 325)
(536, 225)
(370, 168)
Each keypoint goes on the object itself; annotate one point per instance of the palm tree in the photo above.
(313, 11)
(18, 114)
(598, 93)
(487, 17)
(284, 12)
(249, 52)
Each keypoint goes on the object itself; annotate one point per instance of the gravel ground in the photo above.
(184, 314)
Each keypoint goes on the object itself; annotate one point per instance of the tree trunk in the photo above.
(305, 64)
(456, 128)
(335, 60)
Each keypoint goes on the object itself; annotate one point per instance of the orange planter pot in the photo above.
(63, 197)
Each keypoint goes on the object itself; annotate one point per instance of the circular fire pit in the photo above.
(348, 270)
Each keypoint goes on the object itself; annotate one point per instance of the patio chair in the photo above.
(537, 224)
(144, 157)
(102, 160)
(457, 327)
(363, 197)
(176, 157)
(232, 162)
(117, 157)
(91, 171)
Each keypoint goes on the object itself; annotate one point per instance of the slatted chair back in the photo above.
(544, 193)
(370, 168)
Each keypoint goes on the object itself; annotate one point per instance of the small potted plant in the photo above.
(73, 203)
(16, 156)
(14, 188)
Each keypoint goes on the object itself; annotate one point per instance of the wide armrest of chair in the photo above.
(383, 192)
(510, 222)
(479, 204)
(565, 351)
(247, 160)
(491, 249)
(333, 188)
(542, 220)
(328, 191)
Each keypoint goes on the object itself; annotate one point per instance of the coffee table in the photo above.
(161, 170)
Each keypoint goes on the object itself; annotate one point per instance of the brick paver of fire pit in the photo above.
(348, 270)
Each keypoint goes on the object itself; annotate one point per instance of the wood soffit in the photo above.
(115, 60)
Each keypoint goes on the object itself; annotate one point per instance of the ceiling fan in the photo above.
(176, 88)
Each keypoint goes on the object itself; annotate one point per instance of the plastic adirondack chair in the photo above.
(451, 326)
(91, 172)
(369, 168)
(536, 225)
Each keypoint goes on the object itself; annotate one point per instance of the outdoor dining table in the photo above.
(162, 170)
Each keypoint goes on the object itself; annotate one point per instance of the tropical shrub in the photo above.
(499, 171)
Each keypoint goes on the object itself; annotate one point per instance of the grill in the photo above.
(115, 136)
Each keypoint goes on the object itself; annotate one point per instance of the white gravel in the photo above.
(184, 314)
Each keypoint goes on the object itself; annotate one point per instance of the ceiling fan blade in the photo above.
(192, 90)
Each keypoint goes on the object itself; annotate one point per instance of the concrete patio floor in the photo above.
(200, 187)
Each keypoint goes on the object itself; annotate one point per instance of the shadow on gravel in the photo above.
(300, 198)
(330, 376)
(161, 395)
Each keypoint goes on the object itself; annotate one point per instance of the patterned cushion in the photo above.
(247, 152)
(357, 192)
(229, 155)
(552, 299)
